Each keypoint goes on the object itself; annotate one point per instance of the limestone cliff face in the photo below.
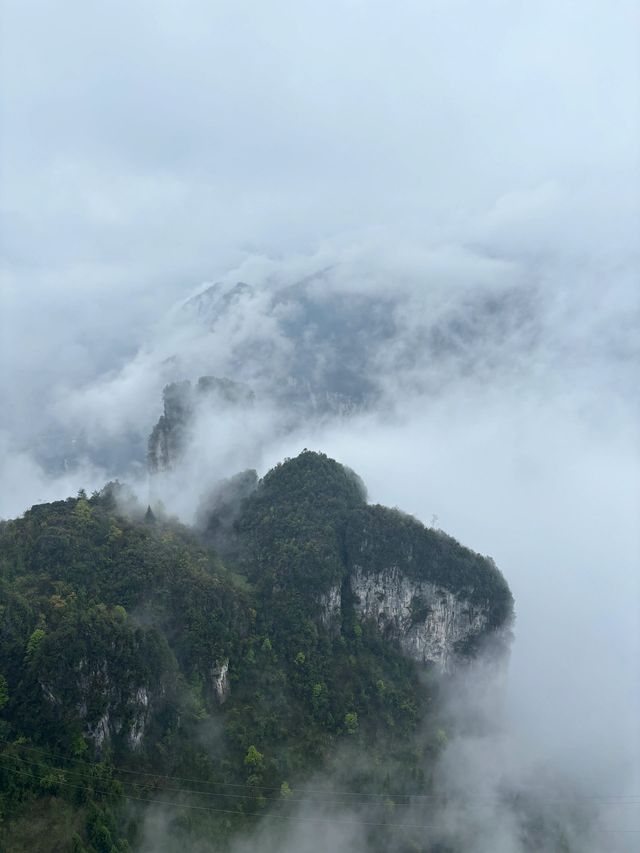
(437, 600)
(220, 679)
(107, 707)
(330, 609)
(309, 530)
(428, 621)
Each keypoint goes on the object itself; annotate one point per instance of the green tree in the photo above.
(253, 758)
(285, 791)
(351, 722)
(34, 642)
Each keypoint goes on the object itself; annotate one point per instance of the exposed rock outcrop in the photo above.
(429, 622)
(168, 438)
(309, 538)
(436, 599)
(220, 677)
(182, 402)
(330, 608)
(107, 707)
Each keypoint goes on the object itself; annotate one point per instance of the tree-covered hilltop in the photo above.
(377, 537)
(134, 655)
(302, 532)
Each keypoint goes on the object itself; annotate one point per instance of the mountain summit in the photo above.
(305, 536)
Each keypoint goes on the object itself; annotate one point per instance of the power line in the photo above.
(288, 799)
(155, 774)
(409, 799)
(240, 814)
(605, 798)
(236, 813)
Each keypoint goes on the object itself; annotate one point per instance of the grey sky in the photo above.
(147, 147)
(145, 138)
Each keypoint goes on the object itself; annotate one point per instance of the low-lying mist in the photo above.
(500, 407)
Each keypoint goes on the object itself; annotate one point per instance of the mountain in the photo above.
(217, 668)
(352, 560)
(339, 343)
(182, 403)
(314, 341)
(323, 347)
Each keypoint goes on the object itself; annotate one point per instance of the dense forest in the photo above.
(146, 665)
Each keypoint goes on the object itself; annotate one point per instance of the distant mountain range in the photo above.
(327, 346)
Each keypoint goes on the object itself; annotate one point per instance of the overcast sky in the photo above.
(149, 146)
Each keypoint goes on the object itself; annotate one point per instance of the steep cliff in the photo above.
(423, 590)
(430, 623)
(182, 402)
(307, 533)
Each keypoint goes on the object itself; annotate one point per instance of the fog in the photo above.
(555, 501)
(412, 165)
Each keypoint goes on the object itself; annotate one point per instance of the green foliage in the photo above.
(100, 829)
(79, 746)
(113, 630)
(197, 695)
(82, 511)
(377, 537)
(120, 613)
(320, 699)
(351, 722)
(292, 523)
(441, 738)
(253, 758)
(76, 844)
(285, 791)
(33, 644)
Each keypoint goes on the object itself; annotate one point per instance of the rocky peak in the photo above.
(182, 402)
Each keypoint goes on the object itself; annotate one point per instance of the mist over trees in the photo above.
(133, 661)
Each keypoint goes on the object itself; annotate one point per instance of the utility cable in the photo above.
(298, 819)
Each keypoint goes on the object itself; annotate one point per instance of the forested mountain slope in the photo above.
(293, 624)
